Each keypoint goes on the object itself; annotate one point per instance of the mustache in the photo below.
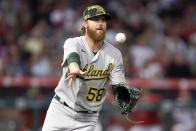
(100, 28)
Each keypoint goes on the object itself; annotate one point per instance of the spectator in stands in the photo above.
(35, 42)
(188, 25)
(40, 65)
(2, 57)
(184, 116)
(173, 41)
(62, 16)
(178, 67)
(141, 52)
(151, 70)
(14, 65)
(192, 54)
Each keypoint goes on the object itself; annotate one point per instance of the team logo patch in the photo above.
(120, 68)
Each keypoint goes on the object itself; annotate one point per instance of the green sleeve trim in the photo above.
(73, 57)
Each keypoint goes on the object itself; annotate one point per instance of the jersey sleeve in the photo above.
(69, 46)
(117, 74)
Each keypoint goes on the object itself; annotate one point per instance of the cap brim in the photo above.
(108, 17)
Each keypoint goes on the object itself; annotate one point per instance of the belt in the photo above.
(65, 104)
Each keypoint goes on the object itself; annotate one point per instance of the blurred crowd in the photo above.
(161, 35)
(161, 43)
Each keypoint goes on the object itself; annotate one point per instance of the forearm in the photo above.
(73, 61)
(73, 66)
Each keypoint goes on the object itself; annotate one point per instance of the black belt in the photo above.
(65, 104)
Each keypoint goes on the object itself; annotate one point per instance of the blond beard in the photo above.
(96, 35)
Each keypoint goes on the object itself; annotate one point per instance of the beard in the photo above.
(96, 35)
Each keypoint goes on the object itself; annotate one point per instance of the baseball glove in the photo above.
(126, 96)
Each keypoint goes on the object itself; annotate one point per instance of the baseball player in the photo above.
(90, 63)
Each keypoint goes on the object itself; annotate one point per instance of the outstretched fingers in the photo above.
(70, 78)
(77, 73)
(71, 82)
(83, 72)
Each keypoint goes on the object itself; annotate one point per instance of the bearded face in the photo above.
(96, 29)
(96, 34)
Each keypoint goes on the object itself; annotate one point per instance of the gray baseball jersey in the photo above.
(88, 92)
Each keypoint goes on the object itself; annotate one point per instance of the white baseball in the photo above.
(120, 37)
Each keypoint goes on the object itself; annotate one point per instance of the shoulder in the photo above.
(75, 41)
(109, 48)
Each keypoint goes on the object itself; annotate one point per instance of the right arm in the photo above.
(72, 60)
(74, 70)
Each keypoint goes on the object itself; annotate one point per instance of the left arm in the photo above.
(126, 96)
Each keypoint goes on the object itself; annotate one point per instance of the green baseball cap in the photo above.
(95, 10)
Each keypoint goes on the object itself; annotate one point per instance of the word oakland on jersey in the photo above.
(88, 92)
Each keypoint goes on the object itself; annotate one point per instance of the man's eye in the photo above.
(95, 18)
(98, 18)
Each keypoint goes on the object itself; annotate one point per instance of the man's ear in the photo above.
(84, 23)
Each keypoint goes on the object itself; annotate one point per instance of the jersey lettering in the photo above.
(97, 73)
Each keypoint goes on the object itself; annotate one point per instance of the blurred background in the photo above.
(159, 56)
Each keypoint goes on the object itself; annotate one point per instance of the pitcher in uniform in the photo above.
(90, 63)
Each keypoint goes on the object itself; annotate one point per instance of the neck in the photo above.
(93, 45)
